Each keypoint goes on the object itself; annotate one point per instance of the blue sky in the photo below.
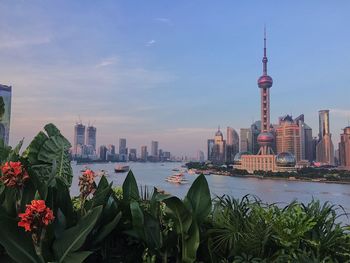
(171, 71)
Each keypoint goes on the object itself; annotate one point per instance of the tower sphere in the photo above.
(265, 81)
(265, 138)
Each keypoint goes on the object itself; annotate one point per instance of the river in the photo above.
(268, 190)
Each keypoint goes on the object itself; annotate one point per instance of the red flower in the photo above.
(13, 174)
(36, 216)
(87, 183)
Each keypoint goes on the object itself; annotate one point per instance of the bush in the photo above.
(41, 222)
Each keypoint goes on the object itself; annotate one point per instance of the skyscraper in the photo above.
(344, 148)
(218, 153)
(144, 153)
(154, 149)
(255, 131)
(200, 156)
(288, 137)
(79, 137)
(210, 148)
(133, 155)
(103, 153)
(324, 148)
(91, 136)
(232, 144)
(123, 151)
(6, 94)
(245, 140)
(306, 143)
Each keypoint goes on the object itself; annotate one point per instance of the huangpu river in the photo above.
(268, 190)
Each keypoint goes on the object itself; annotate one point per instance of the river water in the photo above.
(268, 190)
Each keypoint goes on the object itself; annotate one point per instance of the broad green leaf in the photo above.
(137, 218)
(198, 199)
(17, 243)
(180, 214)
(130, 190)
(107, 229)
(77, 257)
(46, 149)
(191, 244)
(153, 234)
(103, 191)
(73, 238)
(56, 148)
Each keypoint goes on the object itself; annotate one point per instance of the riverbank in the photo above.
(309, 174)
(319, 180)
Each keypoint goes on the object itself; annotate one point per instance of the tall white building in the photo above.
(6, 94)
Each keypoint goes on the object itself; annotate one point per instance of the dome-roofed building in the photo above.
(285, 159)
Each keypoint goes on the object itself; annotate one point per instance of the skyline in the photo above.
(152, 71)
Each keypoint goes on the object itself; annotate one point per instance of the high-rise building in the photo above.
(344, 148)
(123, 151)
(324, 148)
(144, 153)
(305, 139)
(255, 131)
(210, 148)
(154, 149)
(79, 137)
(91, 136)
(288, 137)
(6, 94)
(245, 140)
(133, 155)
(232, 144)
(218, 153)
(200, 156)
(103, 153)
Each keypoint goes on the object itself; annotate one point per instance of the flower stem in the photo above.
(38, 245)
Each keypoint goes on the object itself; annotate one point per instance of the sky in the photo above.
(171, 71)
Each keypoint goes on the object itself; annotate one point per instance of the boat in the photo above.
(176, 179)
(122, 169)
(191, 171)
(175, 170)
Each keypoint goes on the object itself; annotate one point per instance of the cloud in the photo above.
(106, 62)
(163, 20)
(24, 42)
(150, 43)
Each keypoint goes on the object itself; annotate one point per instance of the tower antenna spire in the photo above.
(265, 54)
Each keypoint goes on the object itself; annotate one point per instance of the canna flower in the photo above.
(36, 217)
(13, 174)
(87, 183)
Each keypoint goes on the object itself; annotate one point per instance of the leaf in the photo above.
(103, 191)
(130, 190)
(191, 244)
(198, 199)
(153, 234)
(45, 149)
(137, 219)
(17, 243)
(77, 257)
(179, 213)
(73, 238)
(107, 229)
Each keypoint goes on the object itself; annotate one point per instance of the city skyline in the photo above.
(158, 81)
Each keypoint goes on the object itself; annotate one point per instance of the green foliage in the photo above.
(128, 225)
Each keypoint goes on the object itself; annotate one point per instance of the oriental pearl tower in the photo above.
(265, 138)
